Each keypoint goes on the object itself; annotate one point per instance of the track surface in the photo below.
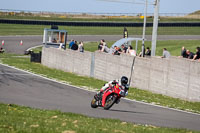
(12, 43)
(22, 88)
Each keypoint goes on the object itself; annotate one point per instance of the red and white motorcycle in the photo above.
(110, 96)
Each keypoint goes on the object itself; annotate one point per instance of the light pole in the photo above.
(155, 28)
(145, 16)
(144, 27)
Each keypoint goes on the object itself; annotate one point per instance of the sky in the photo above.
(98, 6)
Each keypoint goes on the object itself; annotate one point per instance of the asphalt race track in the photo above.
(12, 43)
(18, 87)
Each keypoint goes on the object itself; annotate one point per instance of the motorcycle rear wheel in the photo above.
(93, 103)
(110, 100)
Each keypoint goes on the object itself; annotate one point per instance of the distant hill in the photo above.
(195, 13)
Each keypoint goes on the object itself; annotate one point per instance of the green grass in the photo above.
(91, 83)
(18, 119)
(19, 29)
(15, 29)
(158, 99)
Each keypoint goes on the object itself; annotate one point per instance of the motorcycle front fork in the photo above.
(118, 100)
(98, 97)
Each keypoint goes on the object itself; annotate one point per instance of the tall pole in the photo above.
(155, 28)
(144, 27)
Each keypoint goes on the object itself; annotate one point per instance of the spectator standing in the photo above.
(71, 44)
(80, 47)
(148, 52)
(197, 55)
(75, 46)
(124, 49)
(166, 53)
(130, 51)
(100, 46)
(117, 50)
(183, 52)
(105, 48)
(190, 55)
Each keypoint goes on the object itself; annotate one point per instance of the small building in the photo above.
(55, 37)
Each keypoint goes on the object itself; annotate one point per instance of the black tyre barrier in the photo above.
(36, 57)
(103, 24)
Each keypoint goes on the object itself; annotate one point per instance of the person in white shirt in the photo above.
(130, 51)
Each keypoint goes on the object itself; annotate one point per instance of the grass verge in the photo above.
(20, 29)
(91, 83)
(15, 118)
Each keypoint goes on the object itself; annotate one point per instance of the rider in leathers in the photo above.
(122, 82)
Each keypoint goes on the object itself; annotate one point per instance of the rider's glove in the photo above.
(126, 87)
(114, 82)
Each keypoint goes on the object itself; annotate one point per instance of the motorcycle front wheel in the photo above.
(94, 103)
(110, 100)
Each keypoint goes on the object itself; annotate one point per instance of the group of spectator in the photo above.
(128, 49)
(185, 53)
(73, 45)
(116, 50)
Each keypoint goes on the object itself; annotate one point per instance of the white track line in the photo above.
(34, 47)
(54, 80)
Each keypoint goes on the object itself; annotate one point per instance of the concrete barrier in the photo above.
(68, 60)
(175, 77)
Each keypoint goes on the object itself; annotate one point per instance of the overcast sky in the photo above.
(96, 6)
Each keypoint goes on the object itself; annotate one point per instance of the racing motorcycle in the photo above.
(110, 96)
